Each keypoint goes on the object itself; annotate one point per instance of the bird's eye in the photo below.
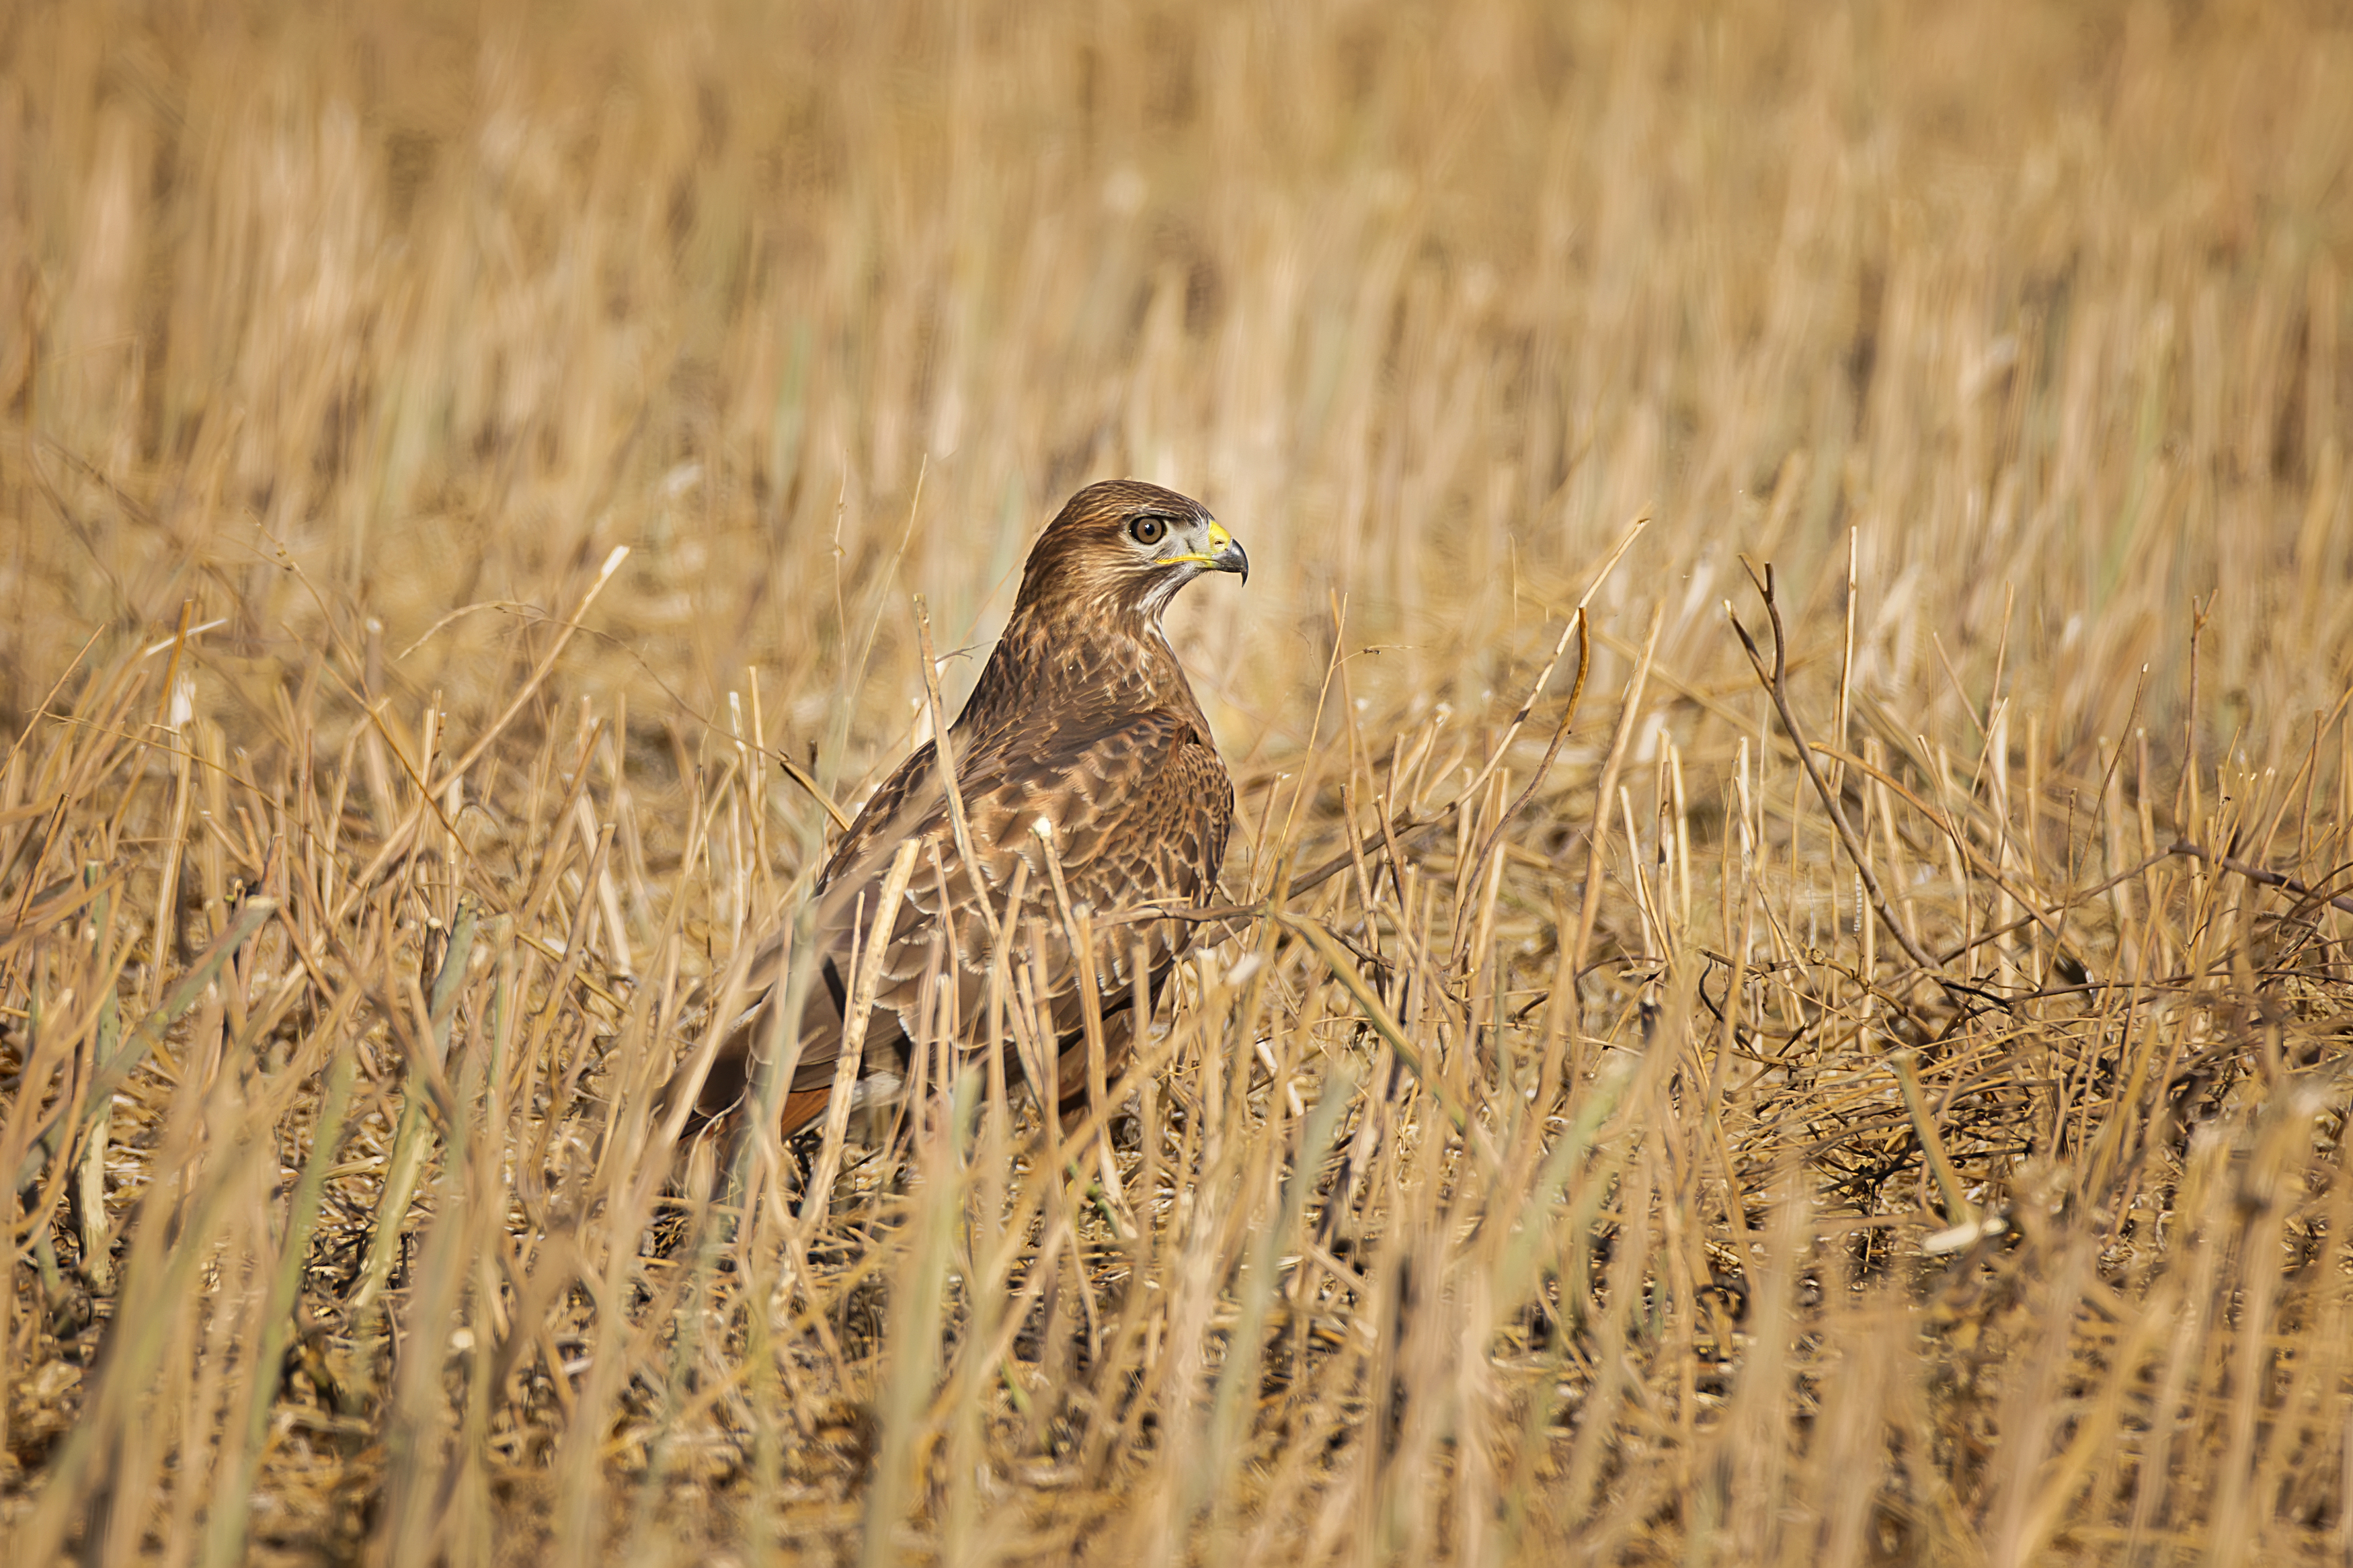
(1148, 529)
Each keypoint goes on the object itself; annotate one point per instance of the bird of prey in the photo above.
(1088, 783)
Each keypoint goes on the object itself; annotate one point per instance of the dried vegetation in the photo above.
(1887, 1111)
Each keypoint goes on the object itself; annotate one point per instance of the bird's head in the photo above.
(1125, 546)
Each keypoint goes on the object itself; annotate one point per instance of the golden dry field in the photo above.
(468, 477)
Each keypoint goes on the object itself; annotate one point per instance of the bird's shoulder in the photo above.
(1090, 779)
(877, 819)
(1096, 770)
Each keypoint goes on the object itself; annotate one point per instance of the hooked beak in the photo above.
(1226, 553)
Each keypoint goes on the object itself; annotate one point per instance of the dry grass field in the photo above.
(466, 476)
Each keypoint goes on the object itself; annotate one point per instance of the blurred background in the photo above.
(814, 306)
(354, 341)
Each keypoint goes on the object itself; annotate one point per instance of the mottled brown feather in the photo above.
(1081, 719)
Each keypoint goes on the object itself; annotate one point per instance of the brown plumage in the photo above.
(1081, 721)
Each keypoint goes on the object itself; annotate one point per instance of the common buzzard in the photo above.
(1089, 783)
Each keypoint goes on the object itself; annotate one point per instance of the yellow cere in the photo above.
(1218, 539)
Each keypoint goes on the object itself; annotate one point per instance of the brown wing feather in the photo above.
(1141, 814)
